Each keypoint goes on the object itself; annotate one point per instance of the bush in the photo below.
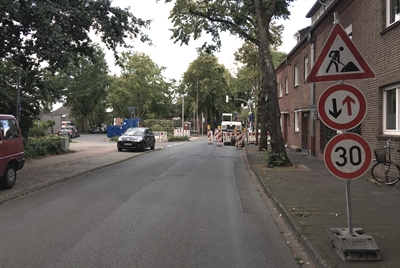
(273, 159)
(115, 138)
(178, 138)
(36, 147)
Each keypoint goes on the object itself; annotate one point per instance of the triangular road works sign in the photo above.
(339, 60)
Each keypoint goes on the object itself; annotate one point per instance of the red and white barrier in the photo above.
(180, 132)
(160, 135)
(210, 137)
(239, 139)
(219, 138)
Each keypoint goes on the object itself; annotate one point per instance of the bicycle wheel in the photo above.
(385, 173)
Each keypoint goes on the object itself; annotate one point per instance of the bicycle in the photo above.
(385, 171)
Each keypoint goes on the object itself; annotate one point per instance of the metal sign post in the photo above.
(347, 156)
(131, 110)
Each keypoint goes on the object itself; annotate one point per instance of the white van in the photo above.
(11, 150)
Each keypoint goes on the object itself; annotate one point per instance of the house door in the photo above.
(305, 128)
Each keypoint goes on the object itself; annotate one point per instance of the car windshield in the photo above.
(134, 132)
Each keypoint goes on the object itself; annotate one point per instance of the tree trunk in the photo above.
(268, 103)
(86, 123)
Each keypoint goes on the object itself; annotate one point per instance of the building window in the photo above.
(296, 75)
(280, 90)
(286, 86)
(392, 11)
(296, 121)
(391, 110)
(305, 68)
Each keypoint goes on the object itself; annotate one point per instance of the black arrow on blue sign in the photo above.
(335, 113)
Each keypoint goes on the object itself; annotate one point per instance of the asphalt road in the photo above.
(188, 205)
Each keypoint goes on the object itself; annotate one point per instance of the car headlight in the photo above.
(119, 138)
(139, 139)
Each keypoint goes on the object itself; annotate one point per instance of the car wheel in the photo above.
(143, 146)
(153, 146)
(119, 149)
(10, 177)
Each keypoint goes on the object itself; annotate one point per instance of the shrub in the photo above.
(177, 138)
(36, 147)
(273, 159)
(115, 138)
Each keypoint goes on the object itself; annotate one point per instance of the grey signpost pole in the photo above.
(131, 110)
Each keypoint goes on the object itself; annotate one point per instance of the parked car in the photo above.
(67, 130)
(11, 150)
(137, 138)
(98, 130)
(77, 133)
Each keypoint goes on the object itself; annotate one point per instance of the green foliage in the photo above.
(191, 18)
(205, 85)
(39, 128)
(330, 133)
(36, 147)
(58, 31)
(86, 88)
(115, 138)
(273, 159)
(177, 138)
(141, 85)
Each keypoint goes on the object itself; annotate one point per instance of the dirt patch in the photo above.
(294, 167)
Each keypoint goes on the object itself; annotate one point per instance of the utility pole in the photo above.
(197, 104)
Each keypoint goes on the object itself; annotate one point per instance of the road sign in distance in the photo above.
(348, 156)
(342, 107)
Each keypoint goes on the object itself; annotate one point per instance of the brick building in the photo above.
(374, 27)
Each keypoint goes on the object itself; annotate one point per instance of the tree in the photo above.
(251, 21)
(141, 85)
(86, 89)
(249, 76)
(206, 82)
(56, 33)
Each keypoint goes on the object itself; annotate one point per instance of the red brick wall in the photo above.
(380, 47)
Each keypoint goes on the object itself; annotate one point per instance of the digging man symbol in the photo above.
(335, 59)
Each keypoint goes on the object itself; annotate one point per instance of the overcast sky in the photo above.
(177, 58)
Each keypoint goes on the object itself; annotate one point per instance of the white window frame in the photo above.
(296, 75)
(280, 90)
(396, 130)
(286, 86)
(305, 68)
(392, 15)
(296, 121)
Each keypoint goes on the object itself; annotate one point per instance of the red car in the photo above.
(11, 150)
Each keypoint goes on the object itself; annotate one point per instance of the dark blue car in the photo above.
(138, 138)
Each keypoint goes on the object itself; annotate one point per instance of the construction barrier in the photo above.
(219, 137)
(215, 134)
(210, 137)
(239, 139)
(160, 135)
(252, 136)
(180, 132)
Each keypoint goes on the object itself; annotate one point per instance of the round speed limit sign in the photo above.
(348, 156)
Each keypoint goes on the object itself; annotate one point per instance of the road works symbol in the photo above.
(342, 107)
(348, 156)
(339, 60)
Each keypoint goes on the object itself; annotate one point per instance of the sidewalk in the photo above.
(312, 200)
